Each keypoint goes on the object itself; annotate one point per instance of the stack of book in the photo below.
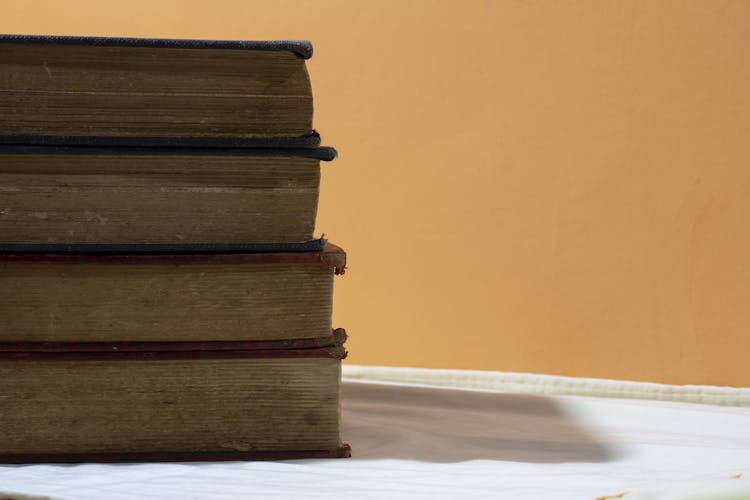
(161, 293)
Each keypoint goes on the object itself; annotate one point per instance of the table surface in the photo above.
(427, 442)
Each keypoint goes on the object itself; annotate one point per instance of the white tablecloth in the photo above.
(417, 441)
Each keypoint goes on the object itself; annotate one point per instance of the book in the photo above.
(161, 293)
(167, 405)
(116, 299)
(90, 89)
(56, 194)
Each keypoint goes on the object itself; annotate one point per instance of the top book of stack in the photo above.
(154, 92)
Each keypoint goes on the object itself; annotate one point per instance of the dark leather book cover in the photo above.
(61, 147)
(302, 48)
(343, 451)
(315, 252)
(309, 251)
(311, 141)
(329, 345)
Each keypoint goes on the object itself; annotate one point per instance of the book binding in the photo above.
(336, 339)
(343, 451)
(311, 141)
(303, 48)
(330, 255)
(325, 153)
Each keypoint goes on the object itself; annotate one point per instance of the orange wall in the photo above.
(558, 187)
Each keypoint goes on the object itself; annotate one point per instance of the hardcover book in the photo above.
(109, 357)
(158, 195)
(161, 295)
(89, 89)
(117, 299)
(239, 403)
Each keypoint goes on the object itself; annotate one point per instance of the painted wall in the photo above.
(557, 187)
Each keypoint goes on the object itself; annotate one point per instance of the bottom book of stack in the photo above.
(102, 358)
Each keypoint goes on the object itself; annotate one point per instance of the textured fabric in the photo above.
(425, 443)
(529, 383)
(302, 48)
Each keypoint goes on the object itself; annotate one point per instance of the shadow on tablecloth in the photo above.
(448, 425)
